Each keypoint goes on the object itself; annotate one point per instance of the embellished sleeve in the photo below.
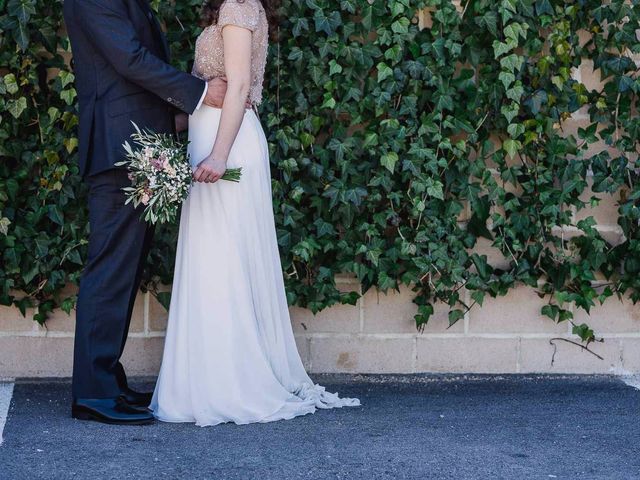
(241, 13)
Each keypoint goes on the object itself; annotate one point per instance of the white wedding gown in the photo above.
(230, 353)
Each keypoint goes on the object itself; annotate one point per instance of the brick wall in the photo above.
(378, 335)
(506, 335)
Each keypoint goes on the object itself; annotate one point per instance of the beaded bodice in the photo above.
(209, 54)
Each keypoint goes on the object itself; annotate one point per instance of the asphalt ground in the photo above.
(409, 427)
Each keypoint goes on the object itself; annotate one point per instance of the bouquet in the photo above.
(160, 175)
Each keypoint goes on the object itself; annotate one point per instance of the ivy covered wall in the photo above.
(395, 150)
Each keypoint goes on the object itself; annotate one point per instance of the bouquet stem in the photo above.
(232, 175)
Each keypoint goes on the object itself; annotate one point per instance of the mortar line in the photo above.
(414, 366)
(467, 314)
(361, 310)
(145, 314)
(450, 336)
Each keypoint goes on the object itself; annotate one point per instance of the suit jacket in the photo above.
(120, 60)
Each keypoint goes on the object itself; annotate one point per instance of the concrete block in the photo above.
(614, 316)
(60, 322)
(335, 319)
(518, 312)
(142, 356)
(361, 354)
(536, 355)
(393, 312)
(11, 320)
(467, 355)
(303, 344)
(36, 357)
(630, 355)
(158, 315)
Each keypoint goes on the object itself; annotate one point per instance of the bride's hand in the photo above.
(210, 170)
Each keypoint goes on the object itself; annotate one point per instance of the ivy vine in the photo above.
(395, 150)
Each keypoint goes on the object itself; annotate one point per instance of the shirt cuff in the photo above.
(204, 94)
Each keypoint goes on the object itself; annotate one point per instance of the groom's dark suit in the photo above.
(122, 75)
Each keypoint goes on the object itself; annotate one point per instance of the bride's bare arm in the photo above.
(237, 64)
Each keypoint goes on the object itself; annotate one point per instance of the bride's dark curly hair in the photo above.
(211, 8)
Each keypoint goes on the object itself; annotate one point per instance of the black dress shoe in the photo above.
(114, 411)
(137, 399)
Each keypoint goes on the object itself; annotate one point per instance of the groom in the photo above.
(121, 64)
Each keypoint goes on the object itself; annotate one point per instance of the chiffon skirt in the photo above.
(230, 353)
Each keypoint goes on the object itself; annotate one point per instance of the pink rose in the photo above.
(158, 163)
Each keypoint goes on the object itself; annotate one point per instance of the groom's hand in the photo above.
(182, 122)
(216, 91)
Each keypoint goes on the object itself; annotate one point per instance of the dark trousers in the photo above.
(118, 245)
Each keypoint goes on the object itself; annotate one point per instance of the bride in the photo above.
(230, 353)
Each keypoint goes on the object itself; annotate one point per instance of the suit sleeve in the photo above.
(107, 25)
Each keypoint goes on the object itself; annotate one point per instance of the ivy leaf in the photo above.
(348, 6)
(507, 79)
(481, 208)
(435, 189)
(21, 9)
(455, 316)
(29, 274)
(550, 311)
(401, 26)
(334, 67)
(511, 62)
(322, 22)
(618, 65)
(515, 130)
(313, 5)
(16, 107)
(512, 147)
(389, 160)
(21, 36)
(374, 256)
(515, 93)
(510, 111)
(68, 95)
(367, 18)
(478, 296)
(68, 304)
(490, 21)
(164, 298)
(384, 72)
(501, 48)
(4, 225)
(543, 7)
(56, 215)
(11, 83)
(329, 102)
(513, 31)
(482, 266)
(585, 333)
(299, 24)
(66, 78)
(625, 83)
(536, 101)
(71, 144)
